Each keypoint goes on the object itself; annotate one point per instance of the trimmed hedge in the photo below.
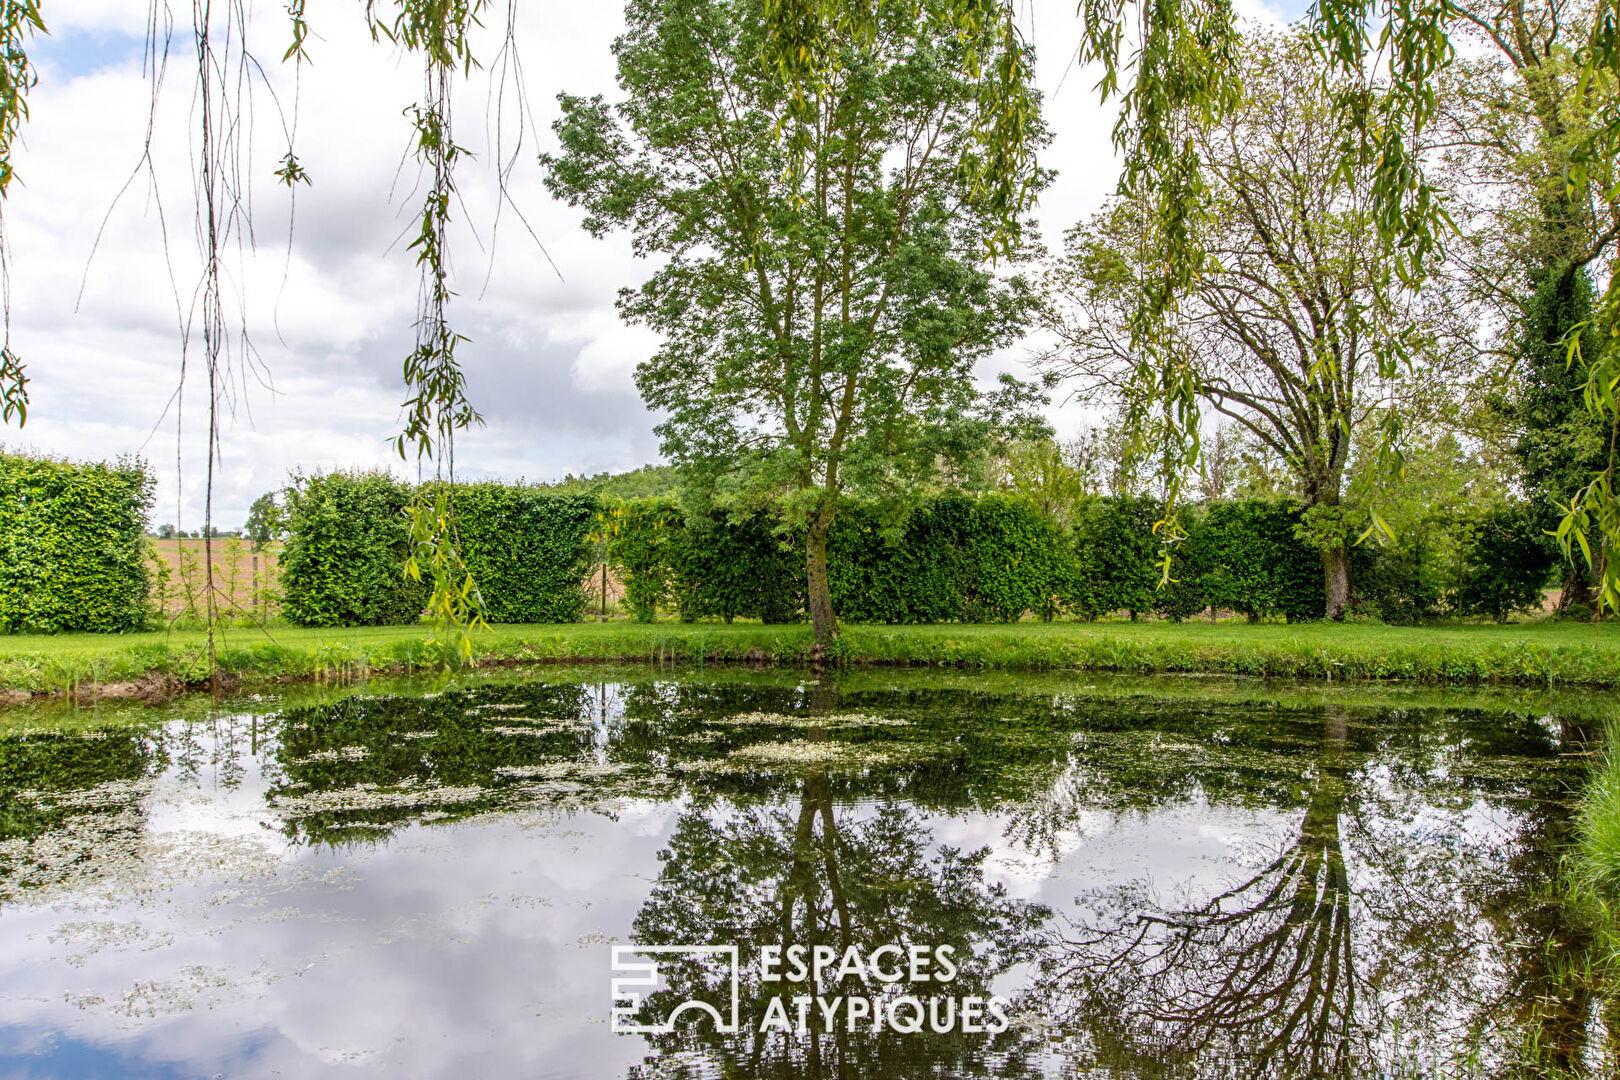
(1247, 557)
(527, 550)
(1506, 564)
(1115, 557)
(72, 548)
(954, 559)
(998, 558)
(348, 539)
(724, 566)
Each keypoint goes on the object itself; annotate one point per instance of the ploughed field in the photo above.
(1122, 878)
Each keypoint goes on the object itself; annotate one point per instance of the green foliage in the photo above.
(266, 521)
(1560, 445)
(955, 559)
(639, 534)
(347, 542)
(527, 549)
(19, 21)
(725, 565)
(72, 545)
(1598, 830)
(713, 565)
(1252, 561)
(826, 287)
(350, 535)
(1115, 565)
(649, 481)
(1506, 564)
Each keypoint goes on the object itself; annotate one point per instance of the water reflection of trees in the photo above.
(809, 871)
(1363, 944)
(1407, 888)
(67, 797)
(362, 767)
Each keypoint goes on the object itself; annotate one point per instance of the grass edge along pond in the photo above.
(1537, 654)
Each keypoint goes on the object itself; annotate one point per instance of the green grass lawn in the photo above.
(1539, 654)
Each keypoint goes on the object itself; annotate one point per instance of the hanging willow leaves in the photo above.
(19, 21)
(438, 406)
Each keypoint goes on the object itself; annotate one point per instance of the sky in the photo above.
(105, 263)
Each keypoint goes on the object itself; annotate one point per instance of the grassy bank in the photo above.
(1539, 655)
(1598, 848)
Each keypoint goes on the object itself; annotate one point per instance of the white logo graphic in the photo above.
(644, 973)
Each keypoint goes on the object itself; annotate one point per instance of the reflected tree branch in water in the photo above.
(1261, 974)
(811, 873)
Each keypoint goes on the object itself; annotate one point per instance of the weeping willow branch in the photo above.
(19, 21)
(439, 406)
(1591, 524)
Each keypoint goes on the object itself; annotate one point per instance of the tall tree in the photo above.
(827, 286)
(1513, 131)
(1287, 329)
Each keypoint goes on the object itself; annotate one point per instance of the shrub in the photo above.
(730, 564)
(954, 559)
(875, 572)
(1185, 594)
(347, 541)
(527, 549)
(1015, 558)
(1115, 557)
(959, 558)
(1254, 563)
(1398, 582)
(72, 547)
(638, 533)
(1506, 563)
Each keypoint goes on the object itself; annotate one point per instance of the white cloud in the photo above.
(329, 312)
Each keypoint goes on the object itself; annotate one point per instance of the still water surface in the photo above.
(425, 885)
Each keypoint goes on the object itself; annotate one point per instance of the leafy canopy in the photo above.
(824, 291)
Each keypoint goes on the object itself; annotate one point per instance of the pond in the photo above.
(1000, 877)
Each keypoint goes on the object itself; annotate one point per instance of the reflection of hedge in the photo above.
(72, 555)
(347, 540)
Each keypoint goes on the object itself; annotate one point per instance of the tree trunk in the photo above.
(1577, 589)
(823, 623)
(1336, 569)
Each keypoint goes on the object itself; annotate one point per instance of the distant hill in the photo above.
(636, 484)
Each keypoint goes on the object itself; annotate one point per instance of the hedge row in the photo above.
(72, 553)
(348, 538)
(953, 559)
(996, 558)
